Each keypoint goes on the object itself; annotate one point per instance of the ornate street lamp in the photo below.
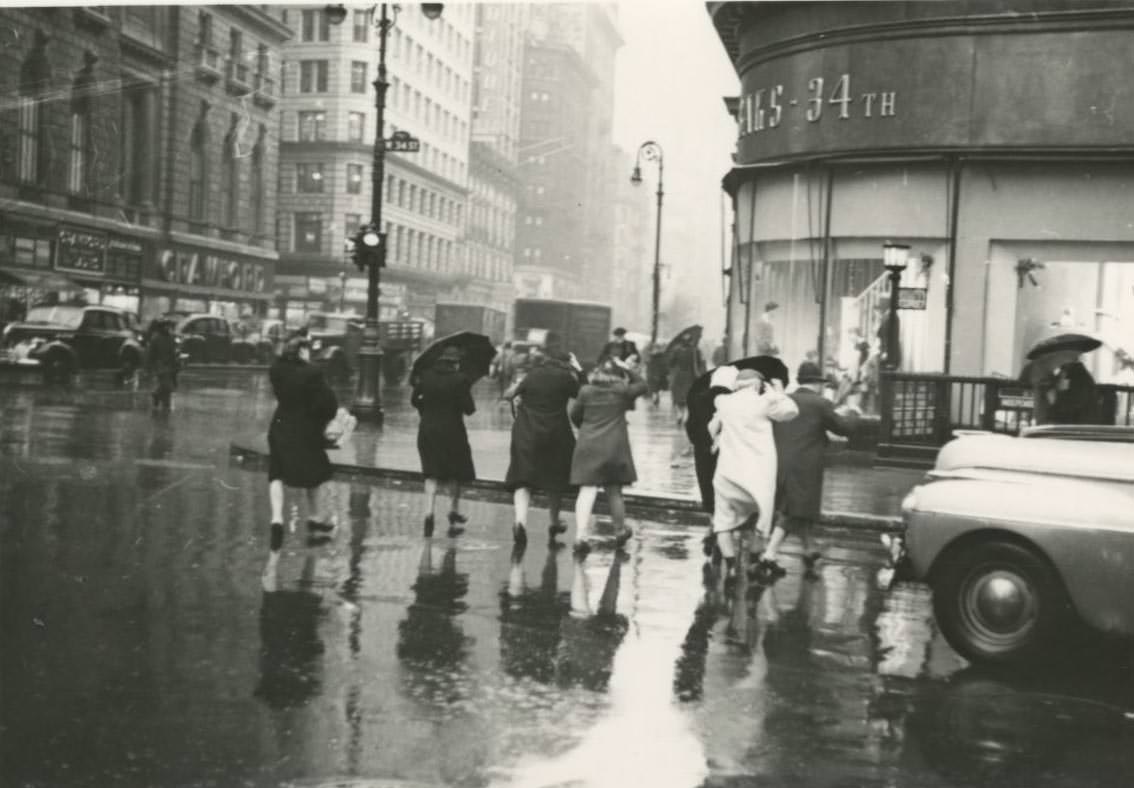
(895, 257)
(651, 151)
(370, 240)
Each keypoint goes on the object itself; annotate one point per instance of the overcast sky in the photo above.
(671, 76)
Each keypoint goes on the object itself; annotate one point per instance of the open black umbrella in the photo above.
(701, 410)
(692, 335)
(477, 352)
(1078, 343)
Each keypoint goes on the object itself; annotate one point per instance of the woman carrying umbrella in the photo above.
(442, 394)
(602, 455)
(1065, 392)
(542, 441)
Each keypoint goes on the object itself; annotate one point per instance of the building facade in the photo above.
(328, 130)
(135, 161)
(494, 188)
(994, 142)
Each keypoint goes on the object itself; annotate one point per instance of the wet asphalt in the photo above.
(139, 646)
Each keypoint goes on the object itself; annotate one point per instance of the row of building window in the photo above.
(315, 27)
(231, 177)
(423, 63)
(237, 55)
(423, 201)
(486, 264)
(415, 104)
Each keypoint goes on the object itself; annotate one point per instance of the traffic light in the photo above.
(367, 245)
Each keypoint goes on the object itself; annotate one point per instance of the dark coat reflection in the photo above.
(430, 634)
(590, 639)
(530, 619)
(290, 648)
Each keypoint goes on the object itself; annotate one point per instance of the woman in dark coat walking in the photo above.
(297, 454)
(685, 365)
(542, 440)
(161, 360)
(443, 397)
(602, 455)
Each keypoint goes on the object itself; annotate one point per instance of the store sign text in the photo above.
(767, 108)
(209, 270)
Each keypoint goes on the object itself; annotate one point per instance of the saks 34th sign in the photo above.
(823, 99)
(184, 267)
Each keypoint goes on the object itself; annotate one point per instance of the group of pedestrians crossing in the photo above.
(758, 449)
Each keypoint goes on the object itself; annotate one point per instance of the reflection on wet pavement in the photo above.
(139, 649)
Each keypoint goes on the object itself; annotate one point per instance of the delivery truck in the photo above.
(582, 326)
(451, 318)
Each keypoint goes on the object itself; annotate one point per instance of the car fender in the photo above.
(1083, 527)
(131, 347)
(54, 346)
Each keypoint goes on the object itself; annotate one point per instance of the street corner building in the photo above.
(138, 151)
(993, 139)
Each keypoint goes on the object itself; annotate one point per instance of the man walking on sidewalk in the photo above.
(801, 446)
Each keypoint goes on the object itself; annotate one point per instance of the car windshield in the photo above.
(66, 316)
(327, 324)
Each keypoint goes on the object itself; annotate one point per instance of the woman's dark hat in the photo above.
(809, 372)
(619, 332)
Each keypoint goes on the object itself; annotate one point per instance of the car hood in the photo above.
(1045, 456)
(17, 332)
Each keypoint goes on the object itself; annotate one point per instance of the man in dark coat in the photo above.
(161, 360)
(618, 347)
(801, 447)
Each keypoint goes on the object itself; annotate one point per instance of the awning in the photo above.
(40, 280)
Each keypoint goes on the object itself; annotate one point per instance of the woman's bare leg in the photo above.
(584, 505)
(521, 501)
(276, 500)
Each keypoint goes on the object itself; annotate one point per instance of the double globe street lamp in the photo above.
(370, 241)
(651, 151)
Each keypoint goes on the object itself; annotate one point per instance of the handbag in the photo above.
(340, 428)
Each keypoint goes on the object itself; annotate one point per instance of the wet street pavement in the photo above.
(139, 647)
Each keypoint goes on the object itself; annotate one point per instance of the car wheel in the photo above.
(58, 367)
(999, 602)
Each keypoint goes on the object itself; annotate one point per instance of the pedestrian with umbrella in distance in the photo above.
(602, 458)
(1065, 391)
(442, 379)
(542, 441)
(685, 365)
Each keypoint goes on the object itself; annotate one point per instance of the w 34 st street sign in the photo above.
(402, 142)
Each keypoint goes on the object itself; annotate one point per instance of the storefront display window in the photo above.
(31, 252)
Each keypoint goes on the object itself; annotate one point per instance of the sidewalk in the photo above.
(853, 495)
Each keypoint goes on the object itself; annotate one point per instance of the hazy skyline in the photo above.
(671, 76)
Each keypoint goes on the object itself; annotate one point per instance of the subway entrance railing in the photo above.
(922, 412)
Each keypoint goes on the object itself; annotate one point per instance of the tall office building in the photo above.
(328, 121)
(493, 175)
(568, 107)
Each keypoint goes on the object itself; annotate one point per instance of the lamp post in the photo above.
(651, 151)
(342, 291)
(895, 258)
(370, 240)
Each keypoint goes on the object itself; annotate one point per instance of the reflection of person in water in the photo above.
(591, 639)
(530, 619)
(290, 647)
(429, 635)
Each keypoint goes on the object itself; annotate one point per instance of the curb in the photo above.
(671, 509)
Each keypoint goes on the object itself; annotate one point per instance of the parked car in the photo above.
(62, 340)
(1022, 539)
(203, 339)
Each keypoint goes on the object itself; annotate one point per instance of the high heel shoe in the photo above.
(623, 537)
(428, 530)
(555, 529)
(455, 521)
(519, 534)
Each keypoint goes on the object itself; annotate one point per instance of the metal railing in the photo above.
(922, 412)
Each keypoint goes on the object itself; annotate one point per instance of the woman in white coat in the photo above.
(745, 480)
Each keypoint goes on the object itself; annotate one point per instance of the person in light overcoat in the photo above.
(801, 446)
